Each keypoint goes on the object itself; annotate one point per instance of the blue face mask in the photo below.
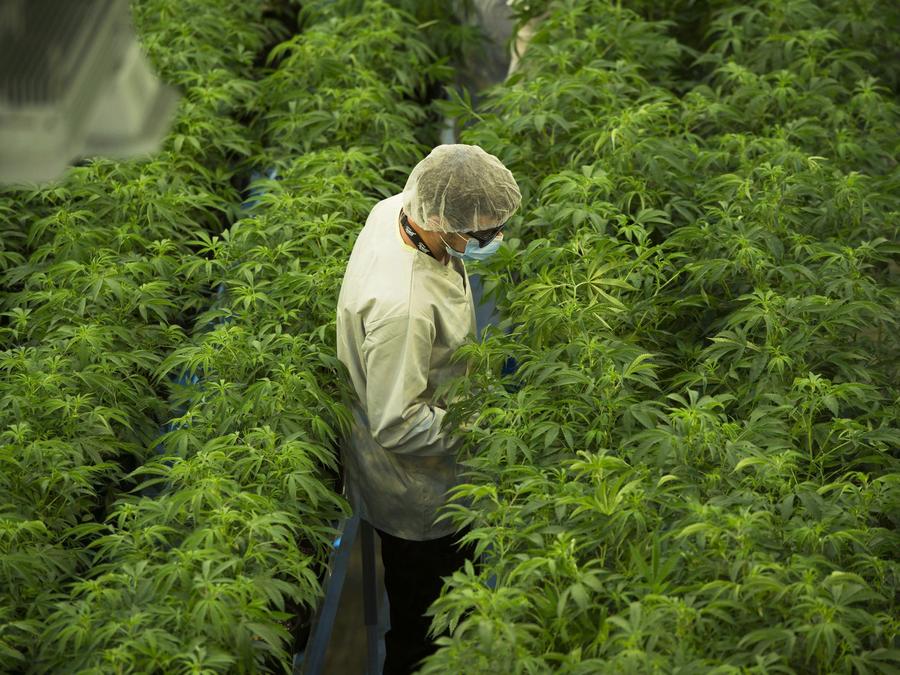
(474, 251)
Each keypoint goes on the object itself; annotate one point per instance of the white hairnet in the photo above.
(460, 188)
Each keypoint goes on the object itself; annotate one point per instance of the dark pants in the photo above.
(412, 577)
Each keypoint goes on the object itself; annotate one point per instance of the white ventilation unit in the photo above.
(74, 83)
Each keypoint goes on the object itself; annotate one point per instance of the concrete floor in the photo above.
(346, 653)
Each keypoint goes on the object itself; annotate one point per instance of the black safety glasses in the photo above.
(484, 237)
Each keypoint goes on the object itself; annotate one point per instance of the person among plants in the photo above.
(405, 306)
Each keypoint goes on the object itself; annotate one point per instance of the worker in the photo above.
(405, 306)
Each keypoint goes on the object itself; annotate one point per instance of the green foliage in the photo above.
(694, 468)
(199, 546)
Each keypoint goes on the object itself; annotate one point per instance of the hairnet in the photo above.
(460, 188)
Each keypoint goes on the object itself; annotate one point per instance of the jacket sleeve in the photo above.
(397, 355)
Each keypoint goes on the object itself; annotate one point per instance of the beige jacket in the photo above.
(401, 315)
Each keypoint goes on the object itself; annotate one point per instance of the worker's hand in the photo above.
(481, 419)
(470, 423)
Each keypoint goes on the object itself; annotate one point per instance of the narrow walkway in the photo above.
(346, 653)
(347, 647)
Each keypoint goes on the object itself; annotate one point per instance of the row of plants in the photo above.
(171, 391)
(709, 318)
(694, 468)
(868, 28)
(93, 302)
